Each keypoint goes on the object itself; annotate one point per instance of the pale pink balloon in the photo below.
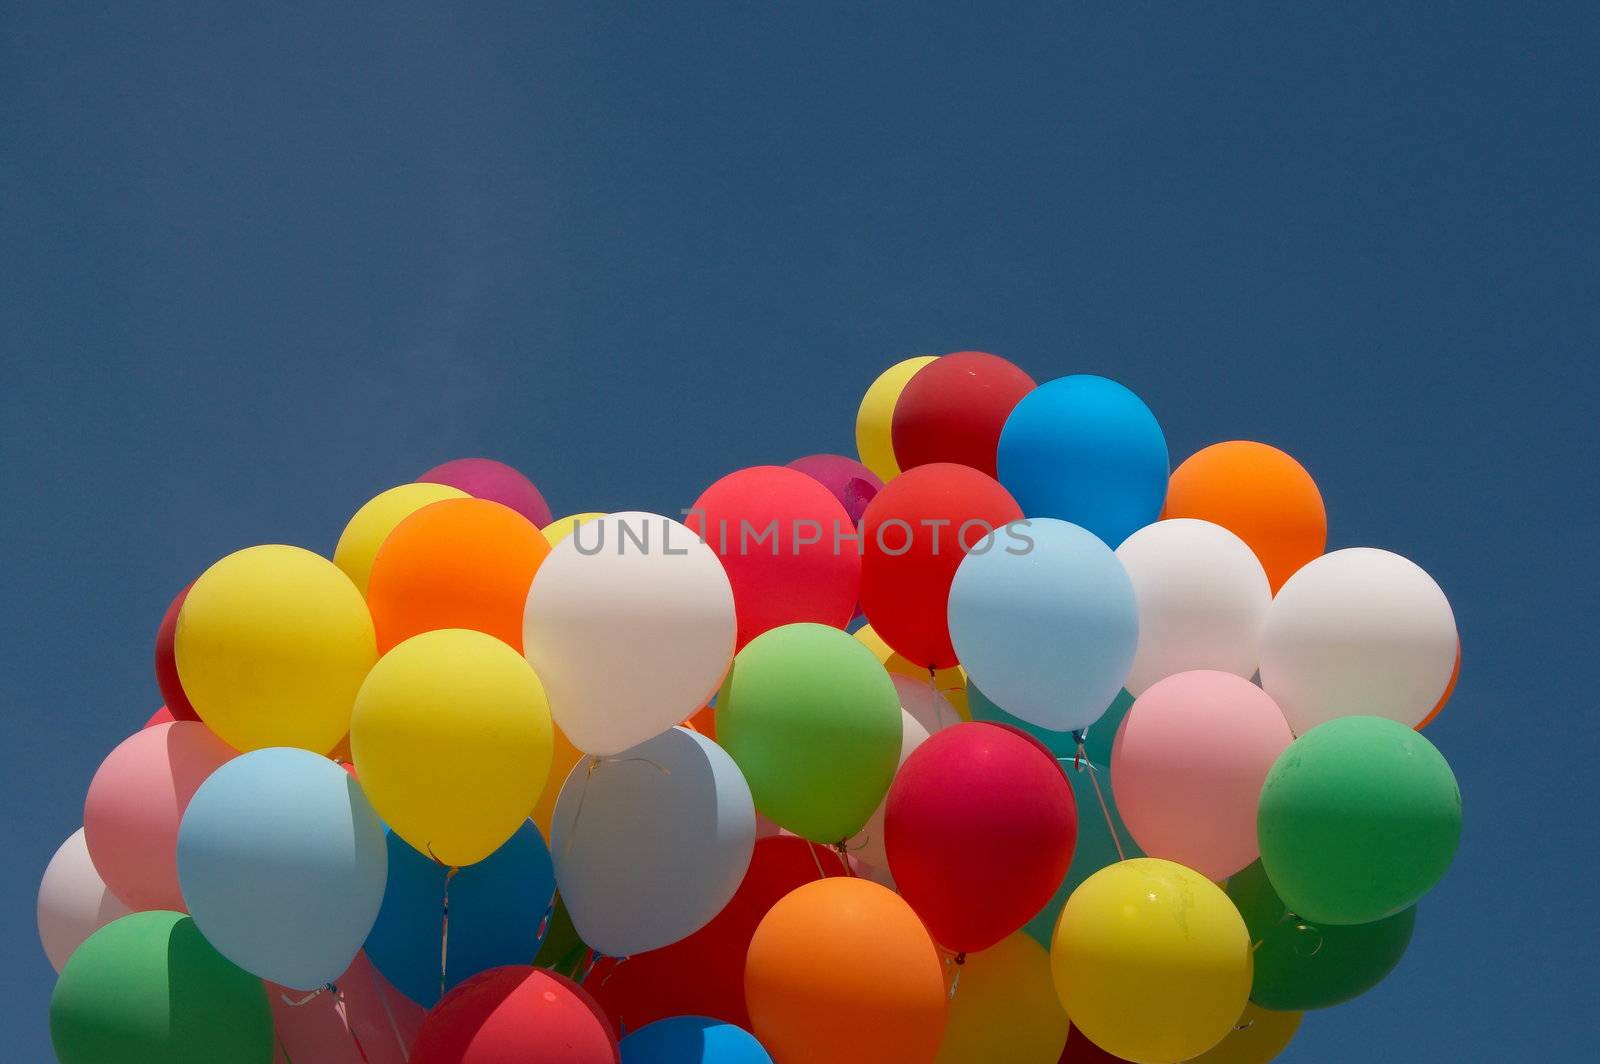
(484, 478)
(74, 902)
(136, 801)
(327, 1027)
(1188, 765)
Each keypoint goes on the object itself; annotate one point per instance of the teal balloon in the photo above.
(497, 910)
(282, 864)
(1096, 848)
(1300, 966)
(149, 989)
(1097, 740)
(1087, 450)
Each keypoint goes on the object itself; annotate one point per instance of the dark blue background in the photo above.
(259, 265)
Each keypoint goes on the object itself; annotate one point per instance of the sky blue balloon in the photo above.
(692, 1040)
(1087, 450)
(497, 911)
(1048, 627)
(282, 864)
(1096, 848)
(1096, 741)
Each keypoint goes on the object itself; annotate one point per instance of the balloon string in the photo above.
(287, 1059)
(933, 693)
(295, 1003)
(444, 928)
(583, 795)
(343, 1012)
(383, 999)
(844, 856)
(812, 850)
(1079, 763)
(594, 959)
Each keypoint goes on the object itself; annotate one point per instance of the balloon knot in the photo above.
(961, 958)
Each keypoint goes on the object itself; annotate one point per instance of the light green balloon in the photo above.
(1359, 818)
(149, 989)
(813, 721)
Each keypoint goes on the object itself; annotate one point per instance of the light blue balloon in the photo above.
(282, 864)
(692, 1040)
(1046, 627)
(652, 843)
(1097, 739)
(497, 914)
(1096, 848)
(1087, 450)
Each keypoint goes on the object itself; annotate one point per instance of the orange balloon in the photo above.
(842, 970)
(704, 721)
(1449, 689)
(457, 563)
(1258, 493)
(563, 756)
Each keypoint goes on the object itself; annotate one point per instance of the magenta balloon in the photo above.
(484, 478)
(136, 801)
(1188, 765)
(852, 483)
(316, 1031)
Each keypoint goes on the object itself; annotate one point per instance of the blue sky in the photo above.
(257, 266)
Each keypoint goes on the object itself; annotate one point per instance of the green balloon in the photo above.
(1359, 818)
(813, 721)
(1300, 966)
(149, 989)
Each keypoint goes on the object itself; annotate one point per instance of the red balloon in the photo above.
(703, 975)
(788, 545)
(913, 536)
(1079, 1050)
(516, 1015)
(979, 828)
(167, 664)
(953, 409)
(160, 716)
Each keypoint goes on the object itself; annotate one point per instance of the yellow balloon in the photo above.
(1005, 1008)
(562, 527)
(1258, 1037)
(563, 757)
(371, 525)
(451, 736)
(875, 418)
(951, 682)
(1152, 961)
(272, 644)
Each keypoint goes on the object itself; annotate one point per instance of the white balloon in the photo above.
(1358, 631)
(630, 626)
(650, 845)
(73, 901)
(1203, 600)
(923, 711)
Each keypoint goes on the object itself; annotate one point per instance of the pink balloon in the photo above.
(74, 902)
(852, 483)
(319, 1031)
(1188, 765)
(137, 799)
(484, 478)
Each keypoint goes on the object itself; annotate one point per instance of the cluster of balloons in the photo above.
(1004, 743)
